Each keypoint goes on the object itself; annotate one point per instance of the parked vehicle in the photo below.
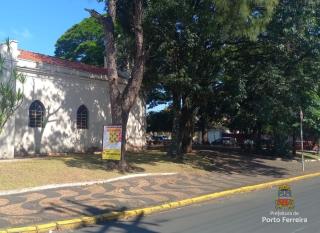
(156, 140)
(227, 141)
(307, 145)
(149, 140)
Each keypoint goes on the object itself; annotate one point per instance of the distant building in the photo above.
(213, 135)
(66, 104)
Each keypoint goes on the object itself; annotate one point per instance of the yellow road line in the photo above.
(85, 221)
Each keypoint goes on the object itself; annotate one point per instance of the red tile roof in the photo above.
(37, 57)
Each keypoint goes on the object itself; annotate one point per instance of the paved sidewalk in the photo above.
(63, 203)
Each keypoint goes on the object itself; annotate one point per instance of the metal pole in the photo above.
(301, 138)
(319, 147)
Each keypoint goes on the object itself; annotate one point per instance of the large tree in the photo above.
(123, 93)
(187, 43)
(277, 75)
(187, 40)
(83, 42)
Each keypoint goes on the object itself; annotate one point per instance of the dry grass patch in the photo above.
(79, 168)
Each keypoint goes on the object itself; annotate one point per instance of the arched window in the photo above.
(36, 114)
(82, 117)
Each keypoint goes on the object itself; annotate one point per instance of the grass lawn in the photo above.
(78, 168)
(308, 155)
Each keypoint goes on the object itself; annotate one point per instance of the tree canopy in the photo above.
(277, 75)
(187, 41)
(82, 42)
(249, 65)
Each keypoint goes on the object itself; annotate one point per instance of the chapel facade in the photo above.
(65, 106)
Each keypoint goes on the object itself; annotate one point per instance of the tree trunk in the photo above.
(122, 102)
(108, 23)
(205, 137)
(294, 140)
(204, 130)
(186, 127)
(258, 135)
(132, 89)
(112, 70)
(188, 135)
(318, 147)
(123, 166)
(176, 107)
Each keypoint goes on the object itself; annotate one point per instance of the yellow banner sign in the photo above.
(111, 154)
(112, 142)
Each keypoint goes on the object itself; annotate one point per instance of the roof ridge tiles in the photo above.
(38, 57)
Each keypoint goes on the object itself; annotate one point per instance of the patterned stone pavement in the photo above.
(64, 203)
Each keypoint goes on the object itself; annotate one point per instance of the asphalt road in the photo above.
(240, 213)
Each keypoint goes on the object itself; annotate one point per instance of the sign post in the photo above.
(111, 149)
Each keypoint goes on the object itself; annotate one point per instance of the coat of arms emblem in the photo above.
(285, 199)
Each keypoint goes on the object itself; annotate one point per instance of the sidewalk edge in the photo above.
(75, 223)
(85, 183)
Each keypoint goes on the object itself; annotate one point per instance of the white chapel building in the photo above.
(65, 106)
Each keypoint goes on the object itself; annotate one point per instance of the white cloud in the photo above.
(24, 33)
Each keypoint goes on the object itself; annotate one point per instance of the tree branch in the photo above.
(132, 89)
(95, 15)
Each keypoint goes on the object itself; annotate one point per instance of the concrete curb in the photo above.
(86, 221)
(86, 183)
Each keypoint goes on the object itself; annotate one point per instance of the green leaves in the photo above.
(280, 73)
(83, 42)
(10, 96)
(1, 64)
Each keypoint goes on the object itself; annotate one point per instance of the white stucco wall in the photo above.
(7, 140)
(62, 91)
(137, 125)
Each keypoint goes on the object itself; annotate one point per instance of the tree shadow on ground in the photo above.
(95, 162)
(136, 159)
(225, 161)
(221, 161)
(237, 164)
(135, 224)
(87, 161)
(264, 154)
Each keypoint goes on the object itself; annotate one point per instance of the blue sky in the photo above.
(37, 24)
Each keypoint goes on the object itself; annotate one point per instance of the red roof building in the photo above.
(37, 57)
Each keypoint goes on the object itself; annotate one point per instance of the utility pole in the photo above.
(301, 138)
(319, 147)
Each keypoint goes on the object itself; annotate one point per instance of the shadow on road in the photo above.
(118, 225)
(136, 225)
